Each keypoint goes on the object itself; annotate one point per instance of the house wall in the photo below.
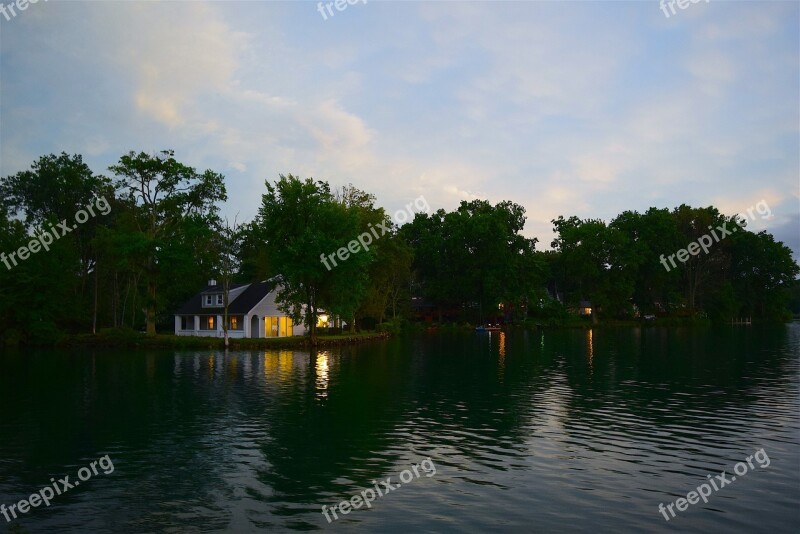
(269, 308)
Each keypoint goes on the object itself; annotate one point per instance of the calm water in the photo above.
(528, 431)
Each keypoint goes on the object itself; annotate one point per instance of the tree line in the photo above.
(164, 237)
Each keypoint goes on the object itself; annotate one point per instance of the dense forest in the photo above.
(152, 235)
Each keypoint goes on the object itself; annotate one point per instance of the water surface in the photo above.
(528, 431)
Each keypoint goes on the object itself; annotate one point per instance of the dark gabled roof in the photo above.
(251, 296)
(242, 304)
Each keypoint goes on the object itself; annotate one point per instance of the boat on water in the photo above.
(488, 328)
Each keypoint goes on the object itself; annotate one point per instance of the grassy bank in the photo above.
(130, 339)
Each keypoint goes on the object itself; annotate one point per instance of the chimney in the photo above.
(212, 283)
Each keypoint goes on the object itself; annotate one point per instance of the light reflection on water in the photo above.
(322, 375)
(586, 430)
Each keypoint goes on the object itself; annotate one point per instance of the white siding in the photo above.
(269, 308)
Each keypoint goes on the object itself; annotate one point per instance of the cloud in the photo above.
(576, 108)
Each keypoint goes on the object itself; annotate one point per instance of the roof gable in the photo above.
(240, 305)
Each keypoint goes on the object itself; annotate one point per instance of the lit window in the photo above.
(270, 327)
(285, 327)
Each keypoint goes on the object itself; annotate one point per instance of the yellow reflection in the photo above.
(502, 359)
(270, 365)
(211, 365)
(285, 358)
(233, 367)
(590, 345)
(322, 375)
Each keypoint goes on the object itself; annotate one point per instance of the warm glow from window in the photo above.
(211, 323)
(322, 321)
(270, 327)
(278, 327)
(285, 327)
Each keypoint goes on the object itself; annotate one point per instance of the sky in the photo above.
(566, 108)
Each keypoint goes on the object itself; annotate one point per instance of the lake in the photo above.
(548, 431)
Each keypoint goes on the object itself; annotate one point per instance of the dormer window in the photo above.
(213, 300)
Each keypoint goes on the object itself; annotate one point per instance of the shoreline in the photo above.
(131, 339)
(169, 341)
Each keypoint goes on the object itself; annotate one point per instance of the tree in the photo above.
(433, 267)
(474, 256)
(389, 278)
(228, 243)
(163, 194)
(302, 226)
(763, 274)
(55, 189)
(362, 205)
(702, 273)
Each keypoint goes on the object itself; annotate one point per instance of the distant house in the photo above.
(584, 308)
(252, 313)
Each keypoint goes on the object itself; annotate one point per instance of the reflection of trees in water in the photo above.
(651, 377)
(209, 428)
(331, 425)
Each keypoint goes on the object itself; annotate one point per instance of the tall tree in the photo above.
(164, 194)
(362, 205)
(702, 273)
(475, 256)
(763, 274)
(228, 248)
(594, 263)
(651, 236)
(302, 225)
(389, 279)
(55, 189)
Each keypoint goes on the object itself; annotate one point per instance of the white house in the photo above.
(252, 312)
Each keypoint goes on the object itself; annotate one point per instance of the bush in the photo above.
(11, 337)
(392, 326)
(43, 333)
(120, 333)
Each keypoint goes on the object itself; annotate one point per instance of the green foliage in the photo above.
(762, 275)
(51, 287)
(388, 291)
(166, 201)
(130, 269)
(474, 256)
(299, 223)
(622, 264)
(392, 326)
